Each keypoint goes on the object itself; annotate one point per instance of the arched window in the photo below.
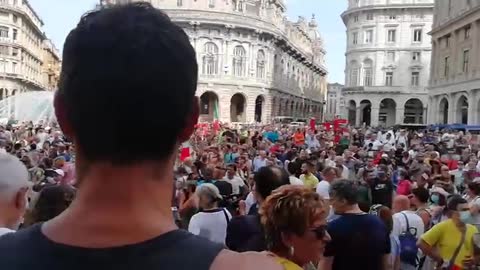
(239, 61)
(367, 73)
(354, 70)
(210, 59)
(261, 64)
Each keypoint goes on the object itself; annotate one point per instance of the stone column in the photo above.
(472, 109)
(357, 117)
(399, 115)
(267, 108)
(452, 109)
(374, 113)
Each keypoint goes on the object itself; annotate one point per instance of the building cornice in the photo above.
(350, 11)
(375, 49)
(460, 17)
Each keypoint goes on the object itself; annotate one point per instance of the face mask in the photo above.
(435, 198)
(465, 216)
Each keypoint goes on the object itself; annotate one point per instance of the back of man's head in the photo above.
(13, 188)
(124, 65)
(267, 179)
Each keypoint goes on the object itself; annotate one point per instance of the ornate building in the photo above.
(51, 65)
(254, 64)
(387, 61)
(335, 101)
(455, 78)
(21, 48)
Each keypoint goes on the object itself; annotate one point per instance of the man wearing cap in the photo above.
(13, 192)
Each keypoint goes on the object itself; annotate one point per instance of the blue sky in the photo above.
(60, 16)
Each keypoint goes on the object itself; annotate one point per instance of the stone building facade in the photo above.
(455, 78)
(51, 66)
(387, 61)
(21, 48)
(335, 101)
(254, 64)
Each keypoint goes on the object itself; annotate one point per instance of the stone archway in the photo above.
(366, 112)
(238, 104)
(209, 109)
(352, 112)
(413, 111)
(259, 108)
(443, 111)
(462, 110)
(388, 112)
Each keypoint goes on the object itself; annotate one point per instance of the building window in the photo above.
(389, 78)
(466, 57)
(354, 76)
(3, 32)
(355, 38)
(416, 56)
(211, 3)
(4, 50)
(210, 59)
(446, 69)
(369, 16)
(14, 67)
(368, 36)
(355, 18)
(367, 80)
(391, 56)
(239, 61)
(179, 3)
(417, 35)
(415, 78)
(14, 51)
(392, 17)
(467, 32)
(447, 41)
(15, 34)
(15, 18)
(261, 64)
(391, 35)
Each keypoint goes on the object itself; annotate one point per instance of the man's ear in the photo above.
(21, 199)
(61, 114)
(191, 121)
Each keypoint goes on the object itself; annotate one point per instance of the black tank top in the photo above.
(30, 249)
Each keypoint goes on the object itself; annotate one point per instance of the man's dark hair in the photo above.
(453, 202)
(422, 194)
(344, 189)
(127, 64)
(267, 179)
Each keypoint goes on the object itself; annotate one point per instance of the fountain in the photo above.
(30, 106)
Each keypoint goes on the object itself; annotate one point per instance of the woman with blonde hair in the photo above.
(295, 225)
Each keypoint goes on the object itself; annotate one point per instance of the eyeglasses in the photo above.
(320, 232)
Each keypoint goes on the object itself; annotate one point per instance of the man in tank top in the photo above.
(124, 64)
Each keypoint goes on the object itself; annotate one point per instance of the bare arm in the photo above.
(396, 265)
(429, 251)
(326, 263)
(244, 261)
(386, 262)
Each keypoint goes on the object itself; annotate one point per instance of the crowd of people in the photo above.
(89, 193)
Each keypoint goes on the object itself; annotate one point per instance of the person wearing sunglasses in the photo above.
(295, 226)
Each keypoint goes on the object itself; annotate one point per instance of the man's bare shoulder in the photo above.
(228, 260)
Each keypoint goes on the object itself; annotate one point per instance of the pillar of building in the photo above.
(357, 117)
(374, 113)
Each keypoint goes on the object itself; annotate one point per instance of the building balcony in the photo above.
(373, 89)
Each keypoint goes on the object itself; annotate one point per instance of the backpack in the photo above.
(404, 187)
(408, 245)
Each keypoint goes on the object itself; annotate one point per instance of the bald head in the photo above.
(13, 176)
(401, 203)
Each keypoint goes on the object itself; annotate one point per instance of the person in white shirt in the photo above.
(235, 180)
(293, 179)
(329, 175)
(212, 222)
(14, 188)
(339, 161)
(401, 208)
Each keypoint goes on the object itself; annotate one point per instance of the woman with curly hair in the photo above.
(295, 225)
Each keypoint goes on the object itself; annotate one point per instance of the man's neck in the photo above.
(117, 206)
